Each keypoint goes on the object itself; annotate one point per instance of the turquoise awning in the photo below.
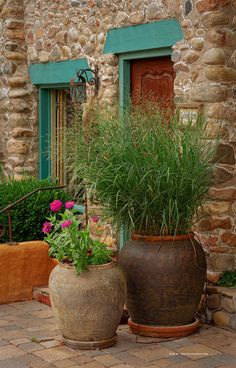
(163, 33)
(60, 72)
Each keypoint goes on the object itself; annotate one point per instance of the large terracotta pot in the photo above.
(88, 307)
(165, 279)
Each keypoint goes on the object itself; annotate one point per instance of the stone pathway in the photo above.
(29, 338)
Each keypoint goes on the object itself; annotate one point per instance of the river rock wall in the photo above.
(41, 31)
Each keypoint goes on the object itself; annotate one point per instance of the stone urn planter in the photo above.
(89, 306)
(165, 279)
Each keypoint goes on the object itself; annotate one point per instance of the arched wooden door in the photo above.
(152, 80)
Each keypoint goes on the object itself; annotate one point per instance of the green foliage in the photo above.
(2, 176)
(28, 215)
(149, 171)
(71, 244)
(228, 278)
(69, 147)
(100, 253)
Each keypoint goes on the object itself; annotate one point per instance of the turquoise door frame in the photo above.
(45, 128)
(148, 40)
(125, 60)
(48, 77)
(142, 41)
(44, 133)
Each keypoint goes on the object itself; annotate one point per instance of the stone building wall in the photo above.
(20, 132)
(41, 31)
(221, 306)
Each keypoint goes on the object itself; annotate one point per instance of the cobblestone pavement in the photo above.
(29, 338)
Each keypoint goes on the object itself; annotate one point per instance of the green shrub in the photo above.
(148, 171)
(228, 278)
(29, 215)
(2, 176)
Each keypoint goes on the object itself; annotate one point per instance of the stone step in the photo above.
(41, 294)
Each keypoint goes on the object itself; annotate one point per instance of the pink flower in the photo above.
(95, 219)
(69, 204)
(56, 205)
(66, 223)
(47, 227)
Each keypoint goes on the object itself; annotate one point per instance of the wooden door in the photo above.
(63, 114)
(60, 101)
(152, 80)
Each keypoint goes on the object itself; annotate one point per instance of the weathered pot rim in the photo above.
(102, 266)
(154, 238)
(90, 267)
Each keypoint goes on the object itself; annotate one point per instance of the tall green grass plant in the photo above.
(147, 170)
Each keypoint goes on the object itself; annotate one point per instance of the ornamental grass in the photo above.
(148, 170)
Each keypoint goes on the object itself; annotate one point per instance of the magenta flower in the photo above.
(95, 219)
(69, 204)
(47, 227)
(56, 205)
(66, 223)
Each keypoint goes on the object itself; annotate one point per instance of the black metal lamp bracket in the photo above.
(84, 77)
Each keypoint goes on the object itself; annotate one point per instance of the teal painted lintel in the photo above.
(56, 73)
(159, 34)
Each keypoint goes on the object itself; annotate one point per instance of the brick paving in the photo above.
(29, 338)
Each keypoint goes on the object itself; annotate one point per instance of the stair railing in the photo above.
(11, 205)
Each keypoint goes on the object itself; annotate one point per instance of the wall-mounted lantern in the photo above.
(79, 82)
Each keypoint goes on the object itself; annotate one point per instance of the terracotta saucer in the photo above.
(164, 331)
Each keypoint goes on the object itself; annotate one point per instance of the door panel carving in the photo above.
(152, 80)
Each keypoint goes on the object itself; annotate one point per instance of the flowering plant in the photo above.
(69, 242)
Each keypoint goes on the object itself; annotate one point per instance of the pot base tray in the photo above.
(163, 331)
(90, 345)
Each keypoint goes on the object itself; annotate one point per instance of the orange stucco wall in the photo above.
(22, 267)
